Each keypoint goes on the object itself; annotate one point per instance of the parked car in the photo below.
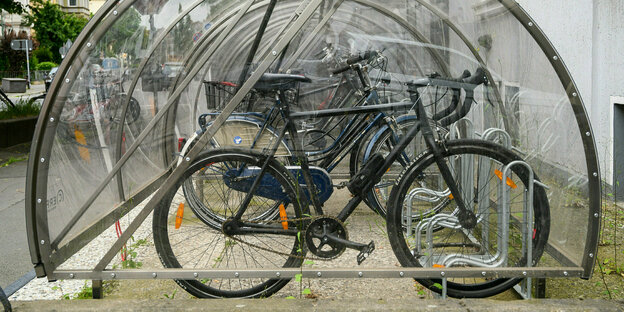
(170, 71)
(48, 78)
(112, 66)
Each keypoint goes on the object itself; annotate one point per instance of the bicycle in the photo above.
(258, 130)
(253, 182)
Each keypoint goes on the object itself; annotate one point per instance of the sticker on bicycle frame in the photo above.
(238, 140)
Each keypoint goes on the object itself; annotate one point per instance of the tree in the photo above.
(11, 6)
(12, 60)
(121, 37)
(52, 26)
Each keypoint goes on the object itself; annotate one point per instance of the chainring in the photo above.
(316, 241)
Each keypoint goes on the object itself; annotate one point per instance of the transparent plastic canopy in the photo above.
(129, 94)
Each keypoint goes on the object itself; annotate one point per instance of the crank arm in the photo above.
(347, 243)
(365, 249)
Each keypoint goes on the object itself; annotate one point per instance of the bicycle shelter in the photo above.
(106, 146)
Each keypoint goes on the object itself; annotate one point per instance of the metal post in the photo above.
(5, 301)
(98, 292)
(27, 61)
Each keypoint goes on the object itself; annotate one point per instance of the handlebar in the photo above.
(355, 59)
(466, 82)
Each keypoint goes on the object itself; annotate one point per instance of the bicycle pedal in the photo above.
(341, 185)
(365, 252)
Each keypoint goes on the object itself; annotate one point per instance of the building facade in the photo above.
(12, 22)
(80, 7)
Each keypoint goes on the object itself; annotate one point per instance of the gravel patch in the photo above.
(363, 226)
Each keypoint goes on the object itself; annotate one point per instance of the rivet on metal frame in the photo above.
(401, 274)
(154, 275)
(318, 274)
(483, 273)
(530, 24)
(39, 200)
(555, 58)
(565, 273)
(596, 215)
(113, 275)
(587, 133)
(195, 274)
(42, 159)
(67, 80)
(51, 119)
(236, 274)
(442, 273)
(524, 273)
(115, 12)
(278, 274)
(360, 274)
(574, 94)
(595, 174)
(71, 275)
(591, 255)
(88, 44)
(274, 52)
(42, 242)
(187, 158)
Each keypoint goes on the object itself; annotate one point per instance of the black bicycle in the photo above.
(460, 203)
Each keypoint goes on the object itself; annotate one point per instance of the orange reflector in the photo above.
(499, 174)
(179, 216)
(438, 265)
(81, 140)
(283, 216)
(451, 196)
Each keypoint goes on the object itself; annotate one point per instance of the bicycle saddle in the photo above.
(273, 82)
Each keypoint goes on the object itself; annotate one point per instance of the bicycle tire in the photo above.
(454, 242)
(195, 244)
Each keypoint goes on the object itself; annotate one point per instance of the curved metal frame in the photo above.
(36, 186)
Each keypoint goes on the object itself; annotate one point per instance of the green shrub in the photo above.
(43, 54)
(46, 65)
(22, 108)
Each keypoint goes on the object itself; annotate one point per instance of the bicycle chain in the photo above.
(298, 237)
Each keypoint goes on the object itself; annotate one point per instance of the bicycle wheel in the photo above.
(183, 239)
(496, 240)
(134, 111)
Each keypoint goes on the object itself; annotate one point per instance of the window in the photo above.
(72, 2)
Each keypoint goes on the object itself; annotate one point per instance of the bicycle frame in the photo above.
(466, 217)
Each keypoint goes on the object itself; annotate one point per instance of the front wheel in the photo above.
(498, 238)
(194, 240)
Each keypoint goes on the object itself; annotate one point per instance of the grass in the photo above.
(23, 108)
(12, 160)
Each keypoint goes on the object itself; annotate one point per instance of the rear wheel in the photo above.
(497, 240)
(192, 239)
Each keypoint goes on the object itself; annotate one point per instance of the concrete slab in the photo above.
(407, 304)
(15, 256)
